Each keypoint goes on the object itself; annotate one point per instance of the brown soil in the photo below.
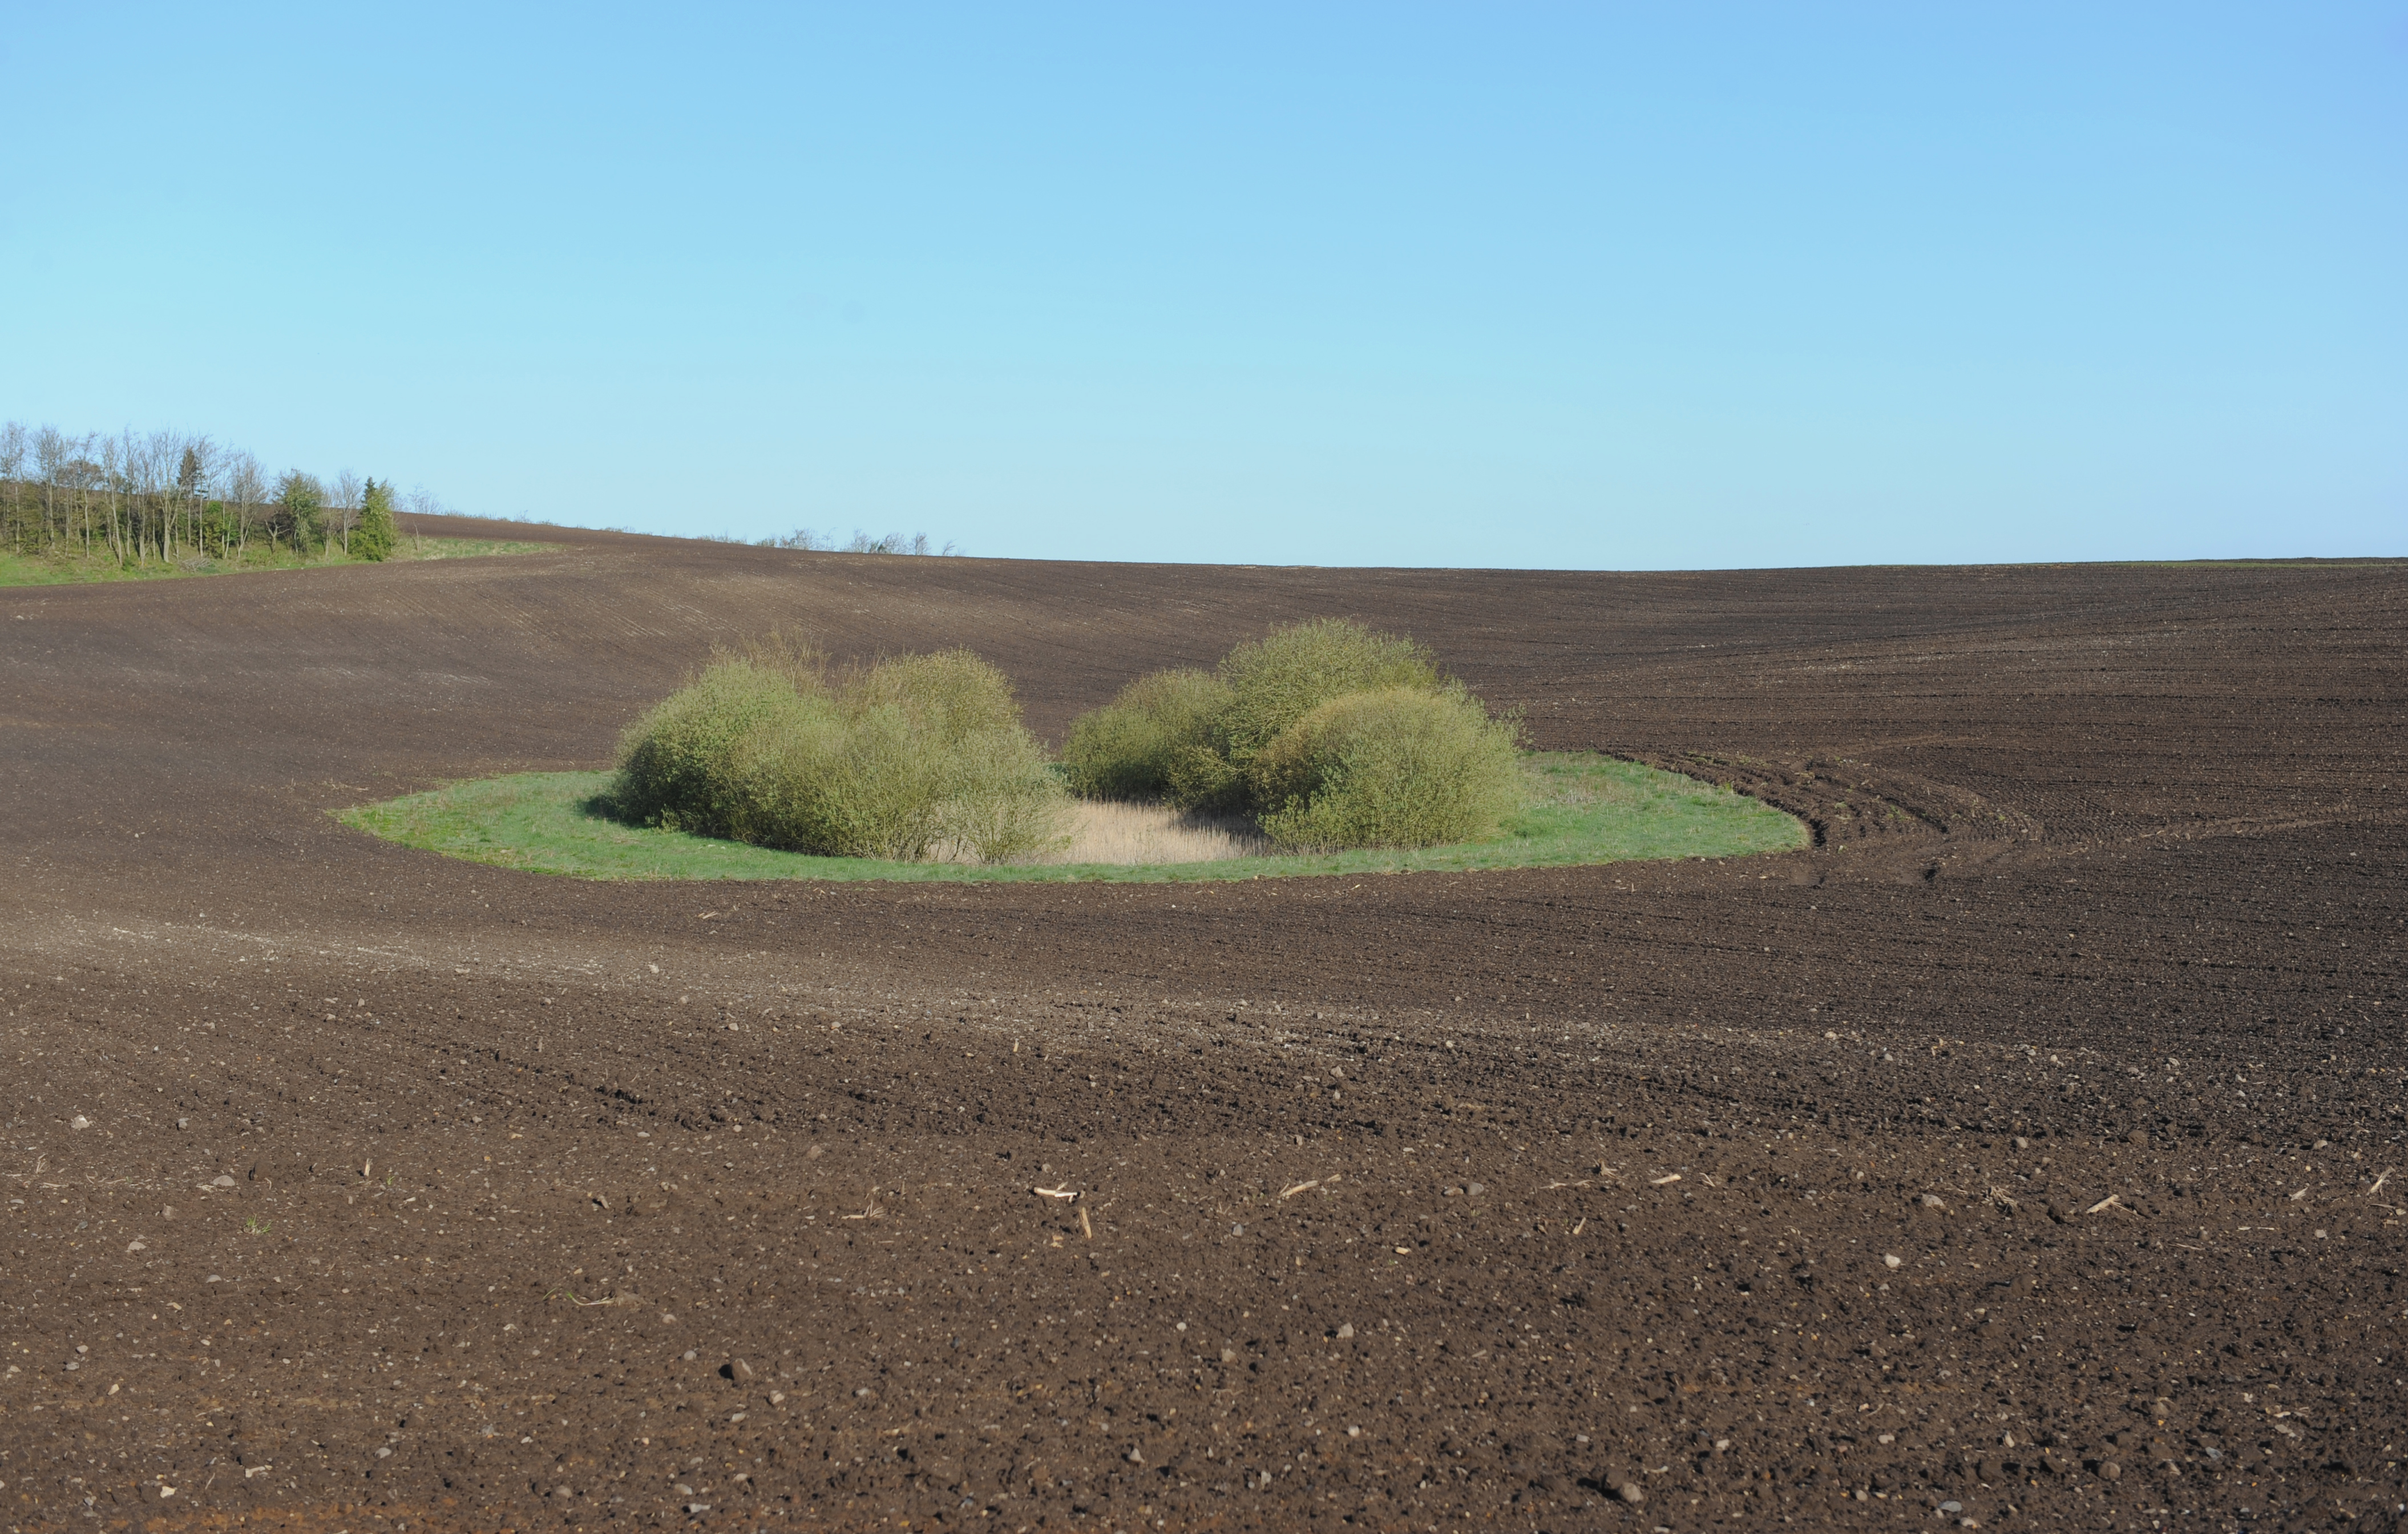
(555, 1203)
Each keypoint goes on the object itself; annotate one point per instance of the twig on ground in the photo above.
(1659, 1182)
(1300, 1187)
(2113, 1201)
(1085, 1228)
(1055, 1193)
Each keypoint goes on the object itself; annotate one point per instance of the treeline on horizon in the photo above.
(142, 497)
(814, 542)
(169, 498)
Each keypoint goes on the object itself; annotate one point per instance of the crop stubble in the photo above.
(2102, 852)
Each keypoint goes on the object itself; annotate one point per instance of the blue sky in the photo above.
(1597, 286)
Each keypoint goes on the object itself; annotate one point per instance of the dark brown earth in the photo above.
(1770, 1189)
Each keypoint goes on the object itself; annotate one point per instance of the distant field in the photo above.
(1584, 808)
(45, 570)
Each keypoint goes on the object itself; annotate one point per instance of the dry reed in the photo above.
(1114, 831)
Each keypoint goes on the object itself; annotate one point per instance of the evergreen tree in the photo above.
(377, 534)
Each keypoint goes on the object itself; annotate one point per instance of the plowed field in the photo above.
(2029, 1152)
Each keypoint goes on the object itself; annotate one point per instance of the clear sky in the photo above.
(1527, 284)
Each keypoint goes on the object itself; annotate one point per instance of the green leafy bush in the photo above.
(1396, 767)
(680, 765)
(1334, 735)
(1145, 743)
(1285, 674)
(917, 757)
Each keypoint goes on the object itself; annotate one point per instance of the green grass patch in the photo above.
(1583, 809)
(18, 570)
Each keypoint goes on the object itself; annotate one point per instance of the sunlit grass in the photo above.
(1583, 809)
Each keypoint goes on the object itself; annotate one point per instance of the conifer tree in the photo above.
(377, 534)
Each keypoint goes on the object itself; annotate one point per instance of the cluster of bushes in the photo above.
(913, 758)
(1328, 734)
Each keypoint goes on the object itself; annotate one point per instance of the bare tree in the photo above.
(861, 543)
(114, 454)
(13, 445)
(246, 487)
(77, 478)
(51, 451)
(152, 463)
(196, 469)
(343, 498)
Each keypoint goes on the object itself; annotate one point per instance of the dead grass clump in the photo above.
(1115, 831)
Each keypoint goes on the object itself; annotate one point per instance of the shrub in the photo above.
(1279, 679)
(918, 756)
(299, 506)
(946, 697)
(681, 765)
(1185, 737)
(1142, 745)
(1003, 803)
(1396, 767)
(1333, 734)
